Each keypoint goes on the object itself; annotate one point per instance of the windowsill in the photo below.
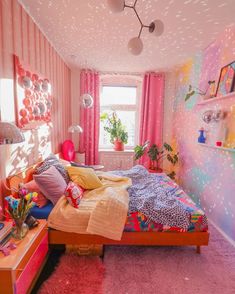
(112, 150)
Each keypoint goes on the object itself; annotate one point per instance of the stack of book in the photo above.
(5, 233)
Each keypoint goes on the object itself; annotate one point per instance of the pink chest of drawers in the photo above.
(20, 269)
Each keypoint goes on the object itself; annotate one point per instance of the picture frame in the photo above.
(226, 80)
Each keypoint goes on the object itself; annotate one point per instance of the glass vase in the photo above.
(20, 230)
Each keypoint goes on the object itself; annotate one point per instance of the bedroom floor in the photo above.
(162, 270)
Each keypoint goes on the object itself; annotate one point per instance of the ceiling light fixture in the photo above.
(156, 27)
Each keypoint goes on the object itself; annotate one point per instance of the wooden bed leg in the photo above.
(198, 249)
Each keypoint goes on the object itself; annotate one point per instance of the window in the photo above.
(124, 101)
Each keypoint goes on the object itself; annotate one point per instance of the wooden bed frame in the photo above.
(128, 238)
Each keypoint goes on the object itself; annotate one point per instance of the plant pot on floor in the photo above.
(118, 145)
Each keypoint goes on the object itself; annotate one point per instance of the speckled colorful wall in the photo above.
(207, 174)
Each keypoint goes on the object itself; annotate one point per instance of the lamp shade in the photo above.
(156, 27)
(116, 5)
(10, 134)
(75, 129)
(87, 101)
(135, 46)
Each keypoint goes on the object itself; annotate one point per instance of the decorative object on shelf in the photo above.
(202, 138)
(213, 115)
(18, 209)
(117, 131)
(33, 98)
(226, 79)
(156, 155)
(10, 134)
(218, 143)
(156, 27)
(194, 90)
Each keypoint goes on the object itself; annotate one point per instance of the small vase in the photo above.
(20, 230)
(201, 138)
(118, 145)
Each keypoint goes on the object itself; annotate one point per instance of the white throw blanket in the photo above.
(102, 211)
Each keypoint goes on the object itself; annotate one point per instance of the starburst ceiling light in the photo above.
(156, 27)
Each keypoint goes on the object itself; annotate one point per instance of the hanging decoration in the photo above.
(33, 100)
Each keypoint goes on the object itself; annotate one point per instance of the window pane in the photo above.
(118, 95)
(128, 120)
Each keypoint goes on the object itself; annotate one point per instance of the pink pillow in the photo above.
(74, 194)
(51, 183)
(33, 187)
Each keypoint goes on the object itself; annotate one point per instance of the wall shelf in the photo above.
(215, 99)
(217, 147)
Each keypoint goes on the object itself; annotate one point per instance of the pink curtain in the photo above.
(151, 113)
(90, 117)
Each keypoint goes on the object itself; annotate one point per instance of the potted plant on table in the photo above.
(156, 155)
(117, 131)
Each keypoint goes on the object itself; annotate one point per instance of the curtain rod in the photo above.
(121, 73)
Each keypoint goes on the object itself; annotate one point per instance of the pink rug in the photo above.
(149, 270)
(171, 270)
(75, 274)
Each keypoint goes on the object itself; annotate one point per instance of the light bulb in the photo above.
(116, 5)
(135, 46)
(156, 27)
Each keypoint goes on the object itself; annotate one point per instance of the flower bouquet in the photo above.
(18, 209)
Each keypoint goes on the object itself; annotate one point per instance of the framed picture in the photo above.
(226, 80)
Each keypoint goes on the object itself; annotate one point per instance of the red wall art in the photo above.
(33, 100)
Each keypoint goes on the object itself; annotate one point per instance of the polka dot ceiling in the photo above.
(87, 33)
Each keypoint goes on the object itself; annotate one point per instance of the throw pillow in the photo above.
(51, 183)
(52, 160)
(74, 194)
(33, 187)
(84, 177)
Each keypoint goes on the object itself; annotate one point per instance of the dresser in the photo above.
(116, 160)
(20, 269)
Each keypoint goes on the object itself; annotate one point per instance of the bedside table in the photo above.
(20, 269)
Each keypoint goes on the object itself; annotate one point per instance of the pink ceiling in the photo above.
(86, 33)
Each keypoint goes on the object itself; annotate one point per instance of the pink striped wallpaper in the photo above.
(21, 36)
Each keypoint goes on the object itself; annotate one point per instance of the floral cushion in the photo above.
(74, 194)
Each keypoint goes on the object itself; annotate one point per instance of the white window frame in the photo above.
(123, 82)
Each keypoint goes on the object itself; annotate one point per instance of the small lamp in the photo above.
(10, 134)
(75, 129)
(68, 151)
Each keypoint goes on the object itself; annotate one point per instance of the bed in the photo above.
(138, 229)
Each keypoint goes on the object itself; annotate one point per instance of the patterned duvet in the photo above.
(138, 221)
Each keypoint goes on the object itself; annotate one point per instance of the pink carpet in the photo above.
(74, 274)
(149, 270)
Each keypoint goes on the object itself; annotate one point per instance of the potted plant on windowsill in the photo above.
(156, 155)
(117, 131)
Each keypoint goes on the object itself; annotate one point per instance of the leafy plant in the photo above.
(157, 154)
(114, 127)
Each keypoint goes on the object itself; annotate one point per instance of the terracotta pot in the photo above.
(118, 145)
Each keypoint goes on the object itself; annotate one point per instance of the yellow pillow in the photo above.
(84, 177)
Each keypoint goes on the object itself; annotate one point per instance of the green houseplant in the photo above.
(117, 131)
(156, 155)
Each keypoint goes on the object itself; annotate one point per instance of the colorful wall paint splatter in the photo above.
(207, 174)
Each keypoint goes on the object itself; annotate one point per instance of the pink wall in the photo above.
(21, 36)
(206, 174)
